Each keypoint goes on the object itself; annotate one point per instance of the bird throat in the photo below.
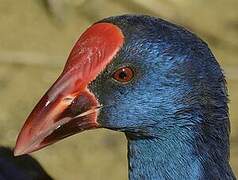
(176, 157)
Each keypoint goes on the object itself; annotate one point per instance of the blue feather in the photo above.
(174, 112)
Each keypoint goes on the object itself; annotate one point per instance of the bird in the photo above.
(153, 80)
(20, 168)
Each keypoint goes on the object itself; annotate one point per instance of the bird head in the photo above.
(136, 74)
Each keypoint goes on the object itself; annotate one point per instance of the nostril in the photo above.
(77, 104)
(68, 99)
(80, 104)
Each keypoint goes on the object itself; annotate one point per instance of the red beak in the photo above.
(68, 107)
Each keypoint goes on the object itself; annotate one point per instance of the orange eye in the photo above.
(123, 75)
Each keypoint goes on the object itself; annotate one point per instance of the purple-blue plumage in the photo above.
(174, 112)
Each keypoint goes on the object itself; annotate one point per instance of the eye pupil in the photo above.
(122, 75)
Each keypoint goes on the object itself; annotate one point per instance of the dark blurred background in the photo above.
(35, 40)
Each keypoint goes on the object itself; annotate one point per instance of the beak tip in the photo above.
(21, 148)
(17, 152)
(18, 149)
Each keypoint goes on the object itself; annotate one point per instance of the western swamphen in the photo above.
(20, 168)
(153, 80)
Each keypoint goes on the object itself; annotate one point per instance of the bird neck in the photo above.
(180, 155)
